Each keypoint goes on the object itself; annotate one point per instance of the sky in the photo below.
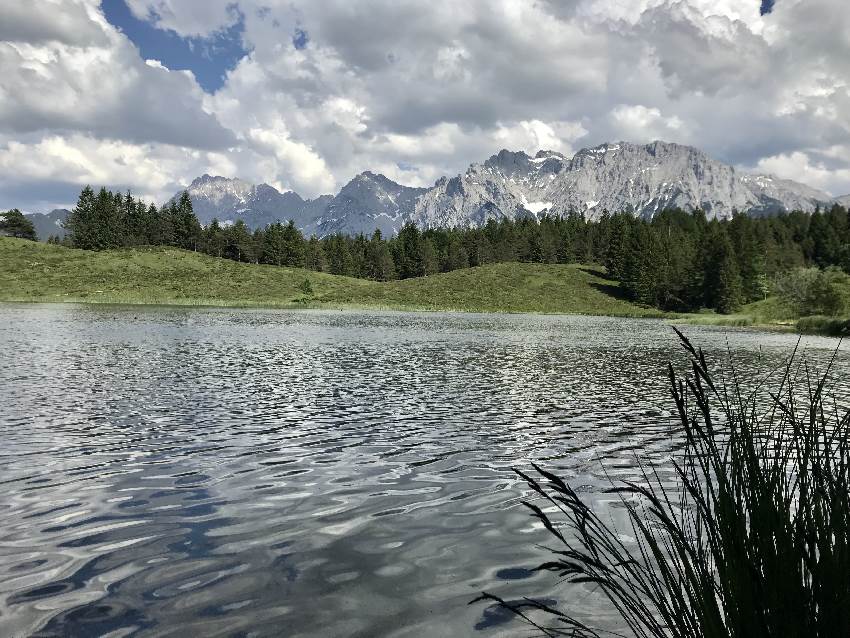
(146, 95)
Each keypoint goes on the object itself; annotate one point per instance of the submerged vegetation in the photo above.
(753, 542)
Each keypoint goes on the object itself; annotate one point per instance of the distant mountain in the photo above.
(641, 178)
(369, 202)
(257, 205)
(614, 177)
(47, 224)
(844, 200)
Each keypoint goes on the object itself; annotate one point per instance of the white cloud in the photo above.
(194, 19)
(417, 90)
(800, 167)
(639, 123)
(102, 88)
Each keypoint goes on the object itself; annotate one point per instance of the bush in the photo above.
(810, 291)
(306, 287)
(819, 325)
(755, 542)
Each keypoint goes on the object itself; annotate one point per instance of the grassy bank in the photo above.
(35, 272)
(773, 314)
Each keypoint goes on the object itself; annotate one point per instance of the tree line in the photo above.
(678, 260)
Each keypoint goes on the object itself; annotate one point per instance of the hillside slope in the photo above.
(32, 271)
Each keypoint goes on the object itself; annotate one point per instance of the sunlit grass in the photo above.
(156, 275)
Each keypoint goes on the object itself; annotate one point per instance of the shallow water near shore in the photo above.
(220, 472)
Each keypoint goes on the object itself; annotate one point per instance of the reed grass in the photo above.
(753, 538)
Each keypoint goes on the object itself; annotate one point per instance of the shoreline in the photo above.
(689, 319)
(33, 272)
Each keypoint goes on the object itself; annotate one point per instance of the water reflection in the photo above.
(219, 473)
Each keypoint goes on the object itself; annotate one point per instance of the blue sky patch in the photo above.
(766, 6)
(300, 39)
(208, 58)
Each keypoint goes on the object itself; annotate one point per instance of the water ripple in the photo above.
(218, 472)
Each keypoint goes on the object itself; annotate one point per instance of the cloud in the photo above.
(39, 21)
(417, 90)
(639, 123)
(191, 19)
(154, 171)
(800, 167)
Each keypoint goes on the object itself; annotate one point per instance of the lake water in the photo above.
(215, 472)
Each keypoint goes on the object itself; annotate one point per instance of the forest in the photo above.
(678, 260)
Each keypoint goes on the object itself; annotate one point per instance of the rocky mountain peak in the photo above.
(614, 176)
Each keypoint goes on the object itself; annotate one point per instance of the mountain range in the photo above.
(641, 178)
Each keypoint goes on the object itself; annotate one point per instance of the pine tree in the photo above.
(273, 249)
(187, 228)
(408, 252)
(429, 259)
(338, 255)
(108, 231)
(456, 255)
(293, 245)
(619, 241)
(379, 261)
(213, 240)
(722, 280)
(314, 255)
(239, 243)
(80, 223)
(15, 224)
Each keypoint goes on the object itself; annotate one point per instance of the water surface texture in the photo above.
(209, 472)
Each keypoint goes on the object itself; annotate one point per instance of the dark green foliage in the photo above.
(754, 542)
(14, 223)
(306, 287)
(379, 262)
(408, 252)
(820, 325)
(810, 291)
(239, 244)
(721, 284)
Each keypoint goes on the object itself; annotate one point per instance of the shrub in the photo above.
(819, 325)
(755, 542)
(810, 291)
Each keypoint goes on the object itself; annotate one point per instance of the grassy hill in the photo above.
(32, 271)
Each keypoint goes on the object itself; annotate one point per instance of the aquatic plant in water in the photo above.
(753, 539)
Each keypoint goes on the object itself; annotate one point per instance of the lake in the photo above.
(218, 472)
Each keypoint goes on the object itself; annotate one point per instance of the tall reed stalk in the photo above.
(753, 541)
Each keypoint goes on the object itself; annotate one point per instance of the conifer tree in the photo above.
(238, 242)
(81, 223)
(186, 227)
(429, 258)
(213, 239)
(722, 280)
(293, 245)
(379, 261)
(15, 224)
(408, 253)
(314, 255)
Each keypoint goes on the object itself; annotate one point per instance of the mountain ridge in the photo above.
(614, 176)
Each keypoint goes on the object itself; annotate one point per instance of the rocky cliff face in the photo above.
(614, 177)
(367, 203)
(257, 205)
